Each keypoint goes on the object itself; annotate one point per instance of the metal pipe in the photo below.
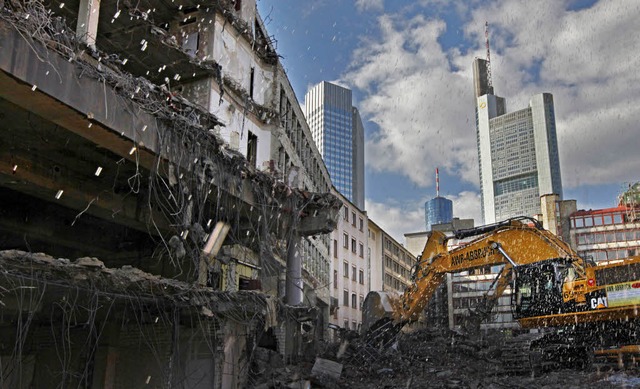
(497, 246)
(294, 271)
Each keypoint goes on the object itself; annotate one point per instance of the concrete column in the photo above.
(294, 270)
(87, 28)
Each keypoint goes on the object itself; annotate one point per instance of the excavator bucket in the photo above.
(378, 322)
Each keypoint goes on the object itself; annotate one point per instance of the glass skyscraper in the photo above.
(339, 135)
(438, 210)
(517, 152)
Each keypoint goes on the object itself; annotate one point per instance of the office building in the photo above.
(517, 151)
(611, 234)
(350, 266)
(338, 132)
(438, 210)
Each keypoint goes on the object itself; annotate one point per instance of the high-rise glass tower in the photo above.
(517, 151)
(438, 210)
(339, 135)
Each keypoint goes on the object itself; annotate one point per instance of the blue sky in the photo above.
(409, 66)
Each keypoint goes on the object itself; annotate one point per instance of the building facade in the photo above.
(517, 152)
(189, 166)
(350, 282)
(338, 132)
(391, 262)
(606, 235)
(253, 97)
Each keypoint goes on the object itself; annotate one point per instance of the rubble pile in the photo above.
(431, 359)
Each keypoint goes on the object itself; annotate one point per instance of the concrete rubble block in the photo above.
(302, 384)
(264, 356)
(324, 367)
(90, 262)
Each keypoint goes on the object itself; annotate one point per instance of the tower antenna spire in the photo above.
(486, 37)
(437, 183)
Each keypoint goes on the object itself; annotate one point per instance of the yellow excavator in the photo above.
(576, 306)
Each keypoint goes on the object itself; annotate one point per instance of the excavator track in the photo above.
(519, 356)
(537, 353)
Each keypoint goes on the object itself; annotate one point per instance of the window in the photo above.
(361, 273)
(361, 224)
(353, 301)
(353, 219)
(361, 252)
(353, 273)
(346, 324)
(345, 240)
(335, 279)
(238, 4)
(335, 248)
(353, 245)
(597, 220)
(345, 298)
(252, 148)
(346, 270)
(346, 213)
(252, 77)
(192, 42)
(361, 302)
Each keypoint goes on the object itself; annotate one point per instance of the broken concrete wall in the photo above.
(129, 329)
(192, 176)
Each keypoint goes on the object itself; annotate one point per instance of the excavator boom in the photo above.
(511, 243)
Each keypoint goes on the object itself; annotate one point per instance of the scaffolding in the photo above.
(630, 199)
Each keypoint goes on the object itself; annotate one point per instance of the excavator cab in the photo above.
(538, 289)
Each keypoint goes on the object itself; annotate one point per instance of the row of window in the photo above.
(403, 256)
(505, 317)
(294, 130)
(393, 282)
(396, 267)
(608, 237)
(360, 274)
(345, 244)
(597, 220)
(354, 301)
(609, 255)
(353, 218)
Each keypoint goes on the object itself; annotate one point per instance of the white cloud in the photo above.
(466, 205)
(398, 219)
(588, 60)
(420, 95)
(422, 106)
(369, 5)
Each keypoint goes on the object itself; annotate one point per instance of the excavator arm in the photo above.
(511, 243)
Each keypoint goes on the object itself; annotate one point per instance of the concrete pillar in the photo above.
(548, 203)
(294, 271)
(87, 28)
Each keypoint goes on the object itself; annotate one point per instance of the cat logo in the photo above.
(483, 104)
(599, 302)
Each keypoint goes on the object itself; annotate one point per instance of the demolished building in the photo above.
(161, 144)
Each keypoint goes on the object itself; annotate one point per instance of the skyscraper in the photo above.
(517, 151)
(438, 210)
(339, 135)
